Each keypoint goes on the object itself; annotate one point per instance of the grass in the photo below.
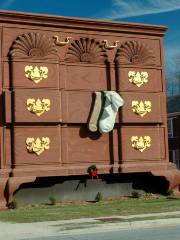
(124, 206)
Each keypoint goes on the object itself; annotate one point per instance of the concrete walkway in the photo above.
(25, 231)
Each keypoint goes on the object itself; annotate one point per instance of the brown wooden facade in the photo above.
(57, 63)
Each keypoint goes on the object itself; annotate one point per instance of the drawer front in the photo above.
(37, 145)
(35, 74)
(142, 108)
(137, 108)
(142, 144)
(33, 106)
(76, 106)
(139, 79)
(86, 77)
(84, 147)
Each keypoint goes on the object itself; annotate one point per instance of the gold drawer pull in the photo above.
(108, 46)
(36, 74)
(61, 43)
(38, 106)
(37, 146)
(141, 107)
(138, 78)
(141, 143)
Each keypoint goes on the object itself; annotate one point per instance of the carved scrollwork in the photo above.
(37, 145)
(33, 45)
(86, 50)
(141, 107)
(38, 106)
(135, 52)
(141, 143)
(138, 78)
(36, 74)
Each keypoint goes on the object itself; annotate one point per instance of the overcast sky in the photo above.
(164, 12)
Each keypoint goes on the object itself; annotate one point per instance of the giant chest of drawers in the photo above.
(50, 67)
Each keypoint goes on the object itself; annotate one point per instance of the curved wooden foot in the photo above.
(172, 176)
(3, 182)
(15, 182)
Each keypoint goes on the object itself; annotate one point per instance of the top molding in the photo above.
(79, 23)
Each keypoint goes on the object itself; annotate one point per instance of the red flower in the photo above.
(94, 173)
(92, 170)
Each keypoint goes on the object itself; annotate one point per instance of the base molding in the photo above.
(172, 176)
(11, 181)
(3, 183)
(14, 183)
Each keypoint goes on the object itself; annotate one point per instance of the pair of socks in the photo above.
(105, 109)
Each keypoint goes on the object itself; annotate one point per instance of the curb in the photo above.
(108, 227)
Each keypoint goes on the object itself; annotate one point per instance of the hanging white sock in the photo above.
(112, 103)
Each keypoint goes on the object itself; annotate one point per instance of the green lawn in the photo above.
(84, 209)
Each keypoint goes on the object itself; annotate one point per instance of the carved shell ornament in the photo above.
(86, 50)
(33, 45)
(135, 52)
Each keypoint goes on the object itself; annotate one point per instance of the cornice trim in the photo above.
(80, 23)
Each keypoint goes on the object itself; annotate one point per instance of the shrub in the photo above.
(135, 194)
(98, 197)
(149, 195)
(52, 200)
(169, 192)
(13, 205)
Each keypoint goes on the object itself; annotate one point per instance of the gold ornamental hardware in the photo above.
(36, 74)
(37, 146)
(141, 143)
(141, 108)
(108, 46)
(138, 78)
(38, 106)
(61, 43)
